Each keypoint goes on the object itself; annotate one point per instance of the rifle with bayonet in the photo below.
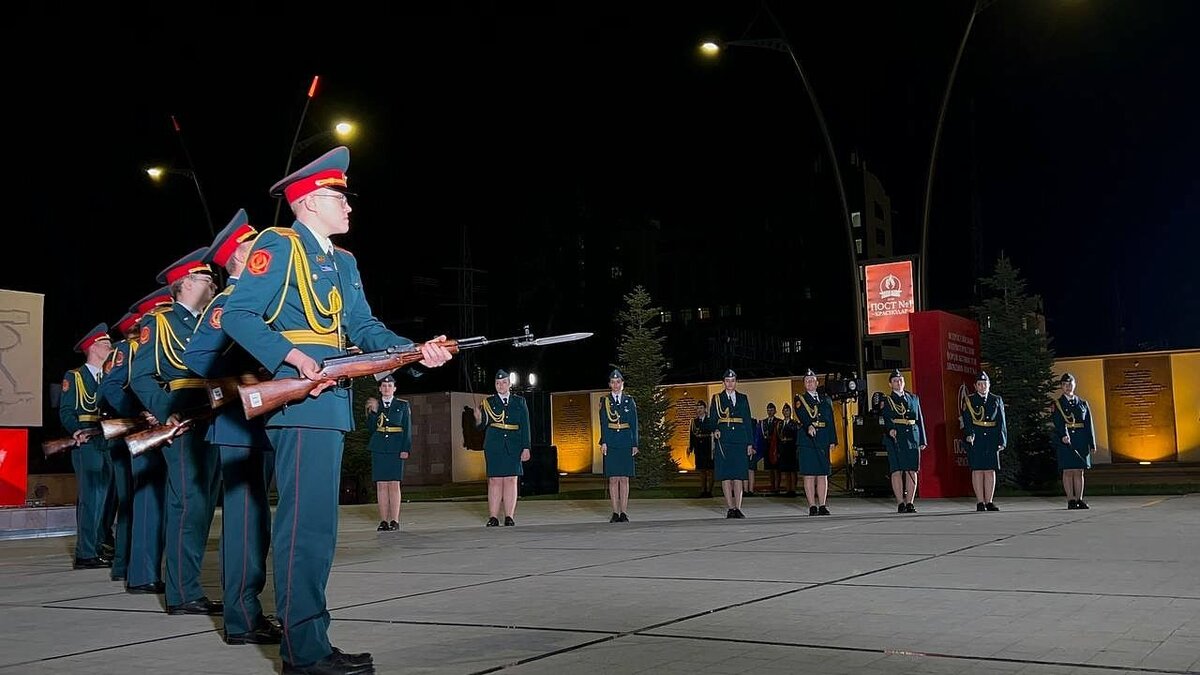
(268, 395)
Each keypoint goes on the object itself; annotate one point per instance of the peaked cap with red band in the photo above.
(192, 263)
(160, 297)
(237, 231)
(327, 171)
(100, 332)
(127, 323)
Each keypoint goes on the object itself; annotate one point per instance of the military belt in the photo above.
(618, 425)
(904, 421)
(731, 420)
(1075, 425)
(506, 427)
(307, 337)
(89, 418)
(983, 424)
(819, 425)
(392, 430)
(187, 383)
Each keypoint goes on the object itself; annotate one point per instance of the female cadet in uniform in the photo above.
(619, 443)
(1074, 440)
(818, 437)
(986, 435)
(391, 440)
(733, 441)
(504, 417)
(905, 439)
(789, 463)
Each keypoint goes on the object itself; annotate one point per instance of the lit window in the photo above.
(665, 317)
(704, 313)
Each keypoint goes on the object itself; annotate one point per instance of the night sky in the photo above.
(1071, 141)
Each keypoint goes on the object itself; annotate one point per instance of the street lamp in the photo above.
(712, 48)
(159, 173)
(343, 130)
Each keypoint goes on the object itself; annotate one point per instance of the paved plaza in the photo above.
(1032, 589)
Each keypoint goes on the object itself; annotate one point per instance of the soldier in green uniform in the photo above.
(147, 471)
(79, 412)
(173, 393)
(300, 301)
(986, 435)
(618, 422)
(246, 457)
(115, 402)
(1074, 440)
(701, 446)
(733, 441)
(390, 421)
(818, 438)
(504, 419)
(905, 439)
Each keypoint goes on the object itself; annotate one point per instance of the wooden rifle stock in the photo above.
(60, 445)
(269, 395)
(225, 389)
(159, 434)
(121, 426)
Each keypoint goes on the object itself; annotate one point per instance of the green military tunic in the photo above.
(506, 434)
(619, 432)
(296, 295)
(817, 412)
(732, 419)
(903, 414)
(391, 435)
(166, 386)
(983, 418)
(78, 408)
(1072, 417)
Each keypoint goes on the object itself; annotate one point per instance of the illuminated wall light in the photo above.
(1144, 463)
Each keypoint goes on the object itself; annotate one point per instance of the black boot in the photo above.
(812, 511)
(979, 506)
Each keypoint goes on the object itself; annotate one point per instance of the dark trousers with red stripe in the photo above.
(93, 471)
(308, 469)
(245, 533)
(191, 472)
(122, 479)
(146, 536)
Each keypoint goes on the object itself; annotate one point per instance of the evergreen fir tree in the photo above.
(641, 360)
(1016, 352)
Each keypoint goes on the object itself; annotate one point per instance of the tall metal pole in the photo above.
(187, 156)
(287, 167)
(923, 265)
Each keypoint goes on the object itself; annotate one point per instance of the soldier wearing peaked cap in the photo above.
(618, 420)
(79, 412)
(147, 472)
(818, 438)
(986, 434)
(905, 439)
(733, 441)
(115, 402)
(504, 419)
(247, 460)
(172, 393)
(389, 420)
(300, 301)
(1074, 440)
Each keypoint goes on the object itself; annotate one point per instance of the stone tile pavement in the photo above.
(1032, 589)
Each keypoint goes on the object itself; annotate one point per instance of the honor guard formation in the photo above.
(187, 408)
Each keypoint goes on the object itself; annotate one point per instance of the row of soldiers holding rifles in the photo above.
(292, 301)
